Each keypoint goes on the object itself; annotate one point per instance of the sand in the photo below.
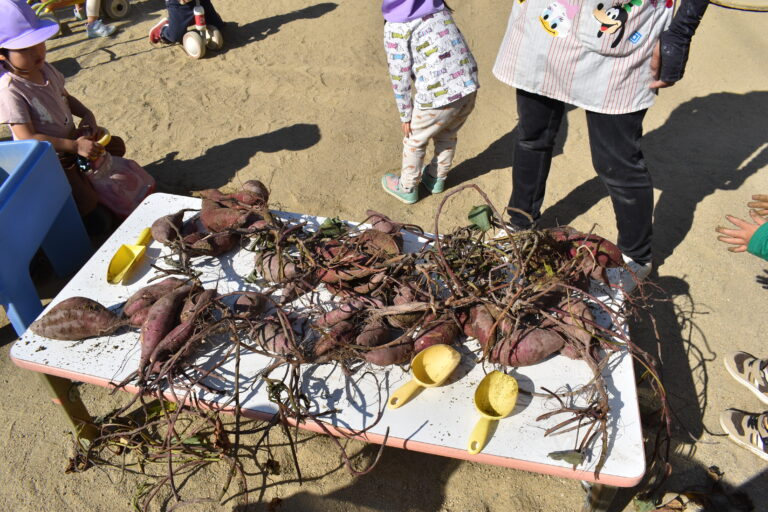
(300, 100)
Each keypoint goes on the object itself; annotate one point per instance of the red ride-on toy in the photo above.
(200, 36)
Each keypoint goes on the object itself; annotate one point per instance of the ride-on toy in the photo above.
(201, 36)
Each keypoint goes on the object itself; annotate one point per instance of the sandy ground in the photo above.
(300, 100)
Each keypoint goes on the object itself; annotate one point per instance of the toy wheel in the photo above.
(215, 40)
(116, 9)
(193, 44)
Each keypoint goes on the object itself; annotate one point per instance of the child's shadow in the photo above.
(219, 164)
(261, 29)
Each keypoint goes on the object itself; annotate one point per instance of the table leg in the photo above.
(599, 497)
(71, 405)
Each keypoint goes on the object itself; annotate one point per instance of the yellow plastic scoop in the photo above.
(127, 256)
(495, 398)
(431, 367)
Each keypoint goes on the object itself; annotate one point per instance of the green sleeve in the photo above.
(758, 244)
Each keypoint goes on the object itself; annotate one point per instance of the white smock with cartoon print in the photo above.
(590, 53)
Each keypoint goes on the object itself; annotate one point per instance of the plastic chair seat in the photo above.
(36, 211)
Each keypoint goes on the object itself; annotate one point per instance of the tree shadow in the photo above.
(499, 155)
(397, 483)
(219, 164)
(722, 140)
(240, 35)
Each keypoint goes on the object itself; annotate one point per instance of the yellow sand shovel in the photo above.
(495, 397)
(127, 256)
(431, 367)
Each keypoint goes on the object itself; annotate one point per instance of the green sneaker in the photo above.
(391, 185)
(433, 185)
(748, 430)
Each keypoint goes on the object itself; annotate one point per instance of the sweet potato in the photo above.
(268, 265)
(526, 346)
(167, 229)
(389, 354)
(480, 324)
(273, 338)
(147, 296)
(161, 318)
(577, 328)
(344, 311)
(373, 334)
(251, 304)
(444, 332)
(381, 222)
(215, 244)
(217, 220)
(404, 295)
(339, 334)
(76, 318)
(195, 302)
(258, 188)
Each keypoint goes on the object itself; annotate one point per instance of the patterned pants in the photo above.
(442, 125)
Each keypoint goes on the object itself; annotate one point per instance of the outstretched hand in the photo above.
(740, 236)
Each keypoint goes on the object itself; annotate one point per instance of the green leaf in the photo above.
(480, 216)
(643, 505)
(155, 409)
(193, 440)
(573, 457)
(332, 227)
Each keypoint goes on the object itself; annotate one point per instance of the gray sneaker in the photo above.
(750, 371)
(99, 29)
(629, 276)
(748, 430)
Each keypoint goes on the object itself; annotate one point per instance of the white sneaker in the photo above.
(99, 29)
(628, 276)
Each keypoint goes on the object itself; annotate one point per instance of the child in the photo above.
(748, 429)
(180, 16)
(34, 102)
(425, 48)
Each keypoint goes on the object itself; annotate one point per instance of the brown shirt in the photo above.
(45, 105)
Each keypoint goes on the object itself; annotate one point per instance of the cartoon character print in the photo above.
(613, 20)
(557, 18)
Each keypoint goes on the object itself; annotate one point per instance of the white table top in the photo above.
(438, 420)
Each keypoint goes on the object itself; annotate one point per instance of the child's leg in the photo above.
(424, 125)
(179, 18)
(453, 118)
(211, 16)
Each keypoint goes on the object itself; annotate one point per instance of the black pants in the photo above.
(180, 16)
(614, 140)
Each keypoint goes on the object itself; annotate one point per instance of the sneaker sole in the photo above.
(397, 196)
(738, 441)
(744, 382)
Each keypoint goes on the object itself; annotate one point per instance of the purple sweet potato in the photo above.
(251, 304)
(577, 328)
(167, 229)
(173, 341)
(373, 334)
(147, 296)
(404, 295)
(76, 318)
(196, 302)
(258, 188)
(215, 244)
(217, 220)
(480, 324)
(268, 264)
(381, 222)
(389, 354)
(138, 318)
(344, 311)
(526, 346)
(444, 332)
(273, 338)
(339, 334)
(161, 318)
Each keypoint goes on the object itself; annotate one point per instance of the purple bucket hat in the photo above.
(21, 28)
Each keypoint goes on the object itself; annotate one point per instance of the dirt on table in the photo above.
(300, 99)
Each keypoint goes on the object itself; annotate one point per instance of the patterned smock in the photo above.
(591, 53)
(431, 53)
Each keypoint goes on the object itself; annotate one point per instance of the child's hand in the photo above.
(406, 129)
(759, 203)
(88, 148)
(740, 237)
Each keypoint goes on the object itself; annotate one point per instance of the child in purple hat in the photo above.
(34, 102)
(434, 77)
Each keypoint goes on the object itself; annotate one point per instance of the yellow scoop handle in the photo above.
(403, 394)
(144, 237)
(479, 435)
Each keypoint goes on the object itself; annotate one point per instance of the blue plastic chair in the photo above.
(36, 210)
